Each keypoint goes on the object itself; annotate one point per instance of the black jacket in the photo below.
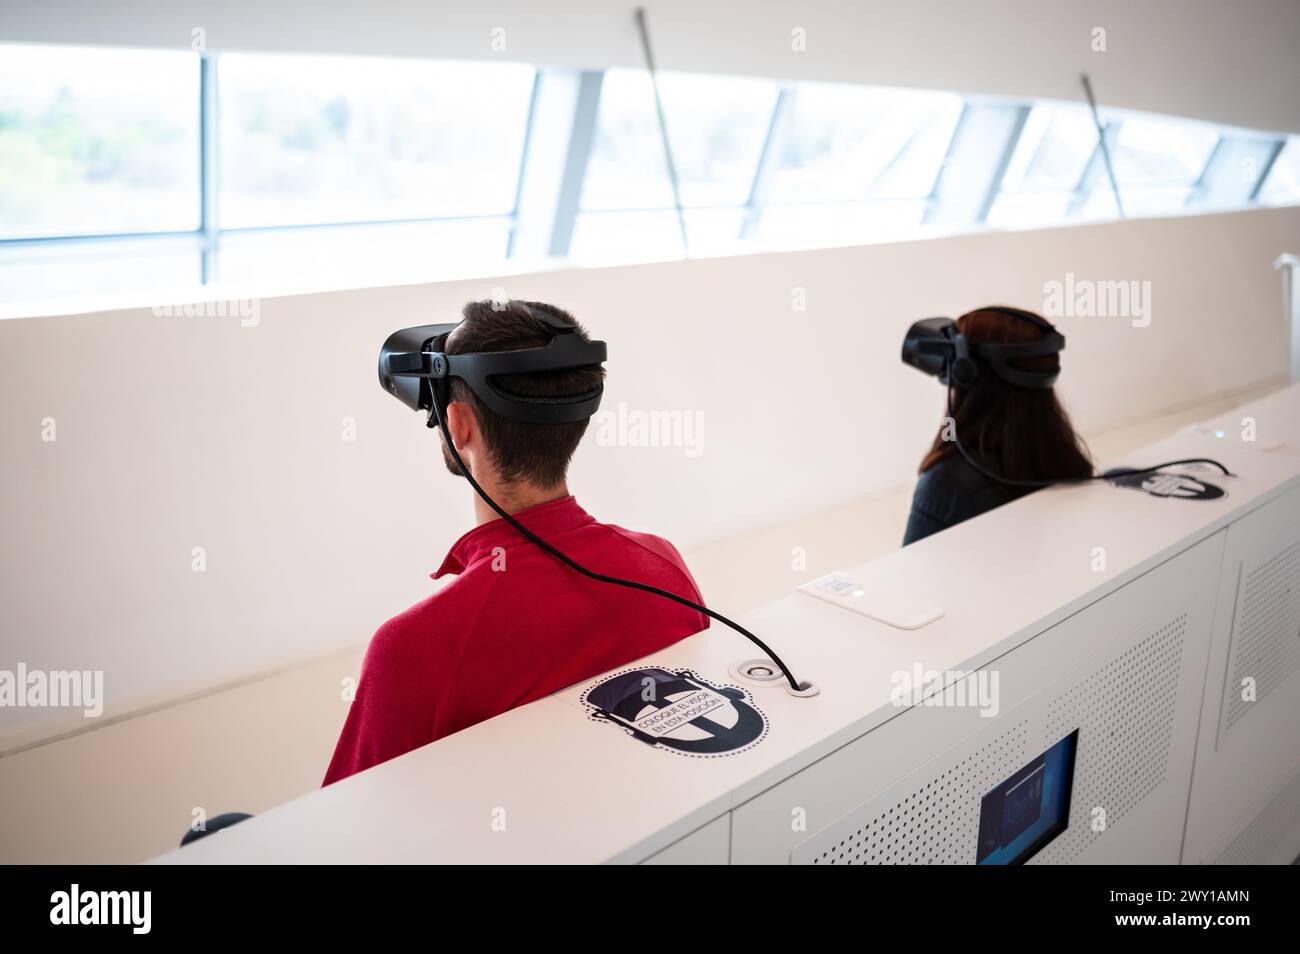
(948, 493)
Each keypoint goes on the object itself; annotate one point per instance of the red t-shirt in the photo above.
(515, 625)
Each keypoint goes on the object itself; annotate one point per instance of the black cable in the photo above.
(1066, 480)
(601, 577)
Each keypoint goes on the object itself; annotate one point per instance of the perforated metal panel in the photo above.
(932, 824)
(1122, 701)
(1248, 752)
(1258, 839)
(1124, 712)
(1266, 635)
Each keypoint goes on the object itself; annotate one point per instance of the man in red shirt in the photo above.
(515, 624)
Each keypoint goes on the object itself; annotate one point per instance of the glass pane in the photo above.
(1160, 152)
(626, 169)
(1053, 150)
(313, 139)
(1146, 201)
(363, 255)
(1030, 209)
(1233, 173)
(97, 141)
(609, 238)
(59, 271)
(714, 231)
(1099, 202)
(716, 125)
(1047, 166)
(1282, 187)
(841, 223)
(854, 142)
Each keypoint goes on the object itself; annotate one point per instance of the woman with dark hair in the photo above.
(1019, 434)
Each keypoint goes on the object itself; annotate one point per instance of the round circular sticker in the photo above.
(678, 711)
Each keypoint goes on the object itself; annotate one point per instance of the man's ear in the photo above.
(462, 425)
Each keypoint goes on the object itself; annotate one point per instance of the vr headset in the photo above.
(415, 368)
(935, 346)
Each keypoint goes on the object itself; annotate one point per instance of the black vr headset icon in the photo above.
(728, 722)
(415, 368)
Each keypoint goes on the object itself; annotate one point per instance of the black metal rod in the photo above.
(663, 125)
(1101, 137)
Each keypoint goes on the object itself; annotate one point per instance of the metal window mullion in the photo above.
(209, 227)
(1104, 143)
(529, 135)
(361, 224)
(664, 138)
(96, 238)
(1004, 163)
(761, 185)
(1196, 194)
(983, 142)
(1093, 169)
(581, 139)
(949, 156)
(1265, 169)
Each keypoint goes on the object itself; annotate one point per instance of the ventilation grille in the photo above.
(1124, 713)
(936, 824)
(1266, 644)
(1258, 839)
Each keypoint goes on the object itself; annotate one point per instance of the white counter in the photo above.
(547, 783)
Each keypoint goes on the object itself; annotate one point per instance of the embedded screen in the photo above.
(1029, 809)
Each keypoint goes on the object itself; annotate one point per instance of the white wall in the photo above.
(175, 433)
(1232, 63)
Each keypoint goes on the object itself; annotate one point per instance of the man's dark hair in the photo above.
(521, 451)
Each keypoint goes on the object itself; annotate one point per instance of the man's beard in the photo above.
(447, 458)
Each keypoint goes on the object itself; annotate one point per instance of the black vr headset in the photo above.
(935, 346)
(415, 369)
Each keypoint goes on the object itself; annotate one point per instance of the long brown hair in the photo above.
(1016, 433)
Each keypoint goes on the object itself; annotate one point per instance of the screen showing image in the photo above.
(1029, 809)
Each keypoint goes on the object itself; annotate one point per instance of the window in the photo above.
(848, 143)
(108, 143)
(1231, 177)
(1046, 169)
(1157, 163)
(758, 165)
(311, 140)
(358, 256)
(51, 270)
(717, 127)
(853, 164)
(123, 170)
(97, 141)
